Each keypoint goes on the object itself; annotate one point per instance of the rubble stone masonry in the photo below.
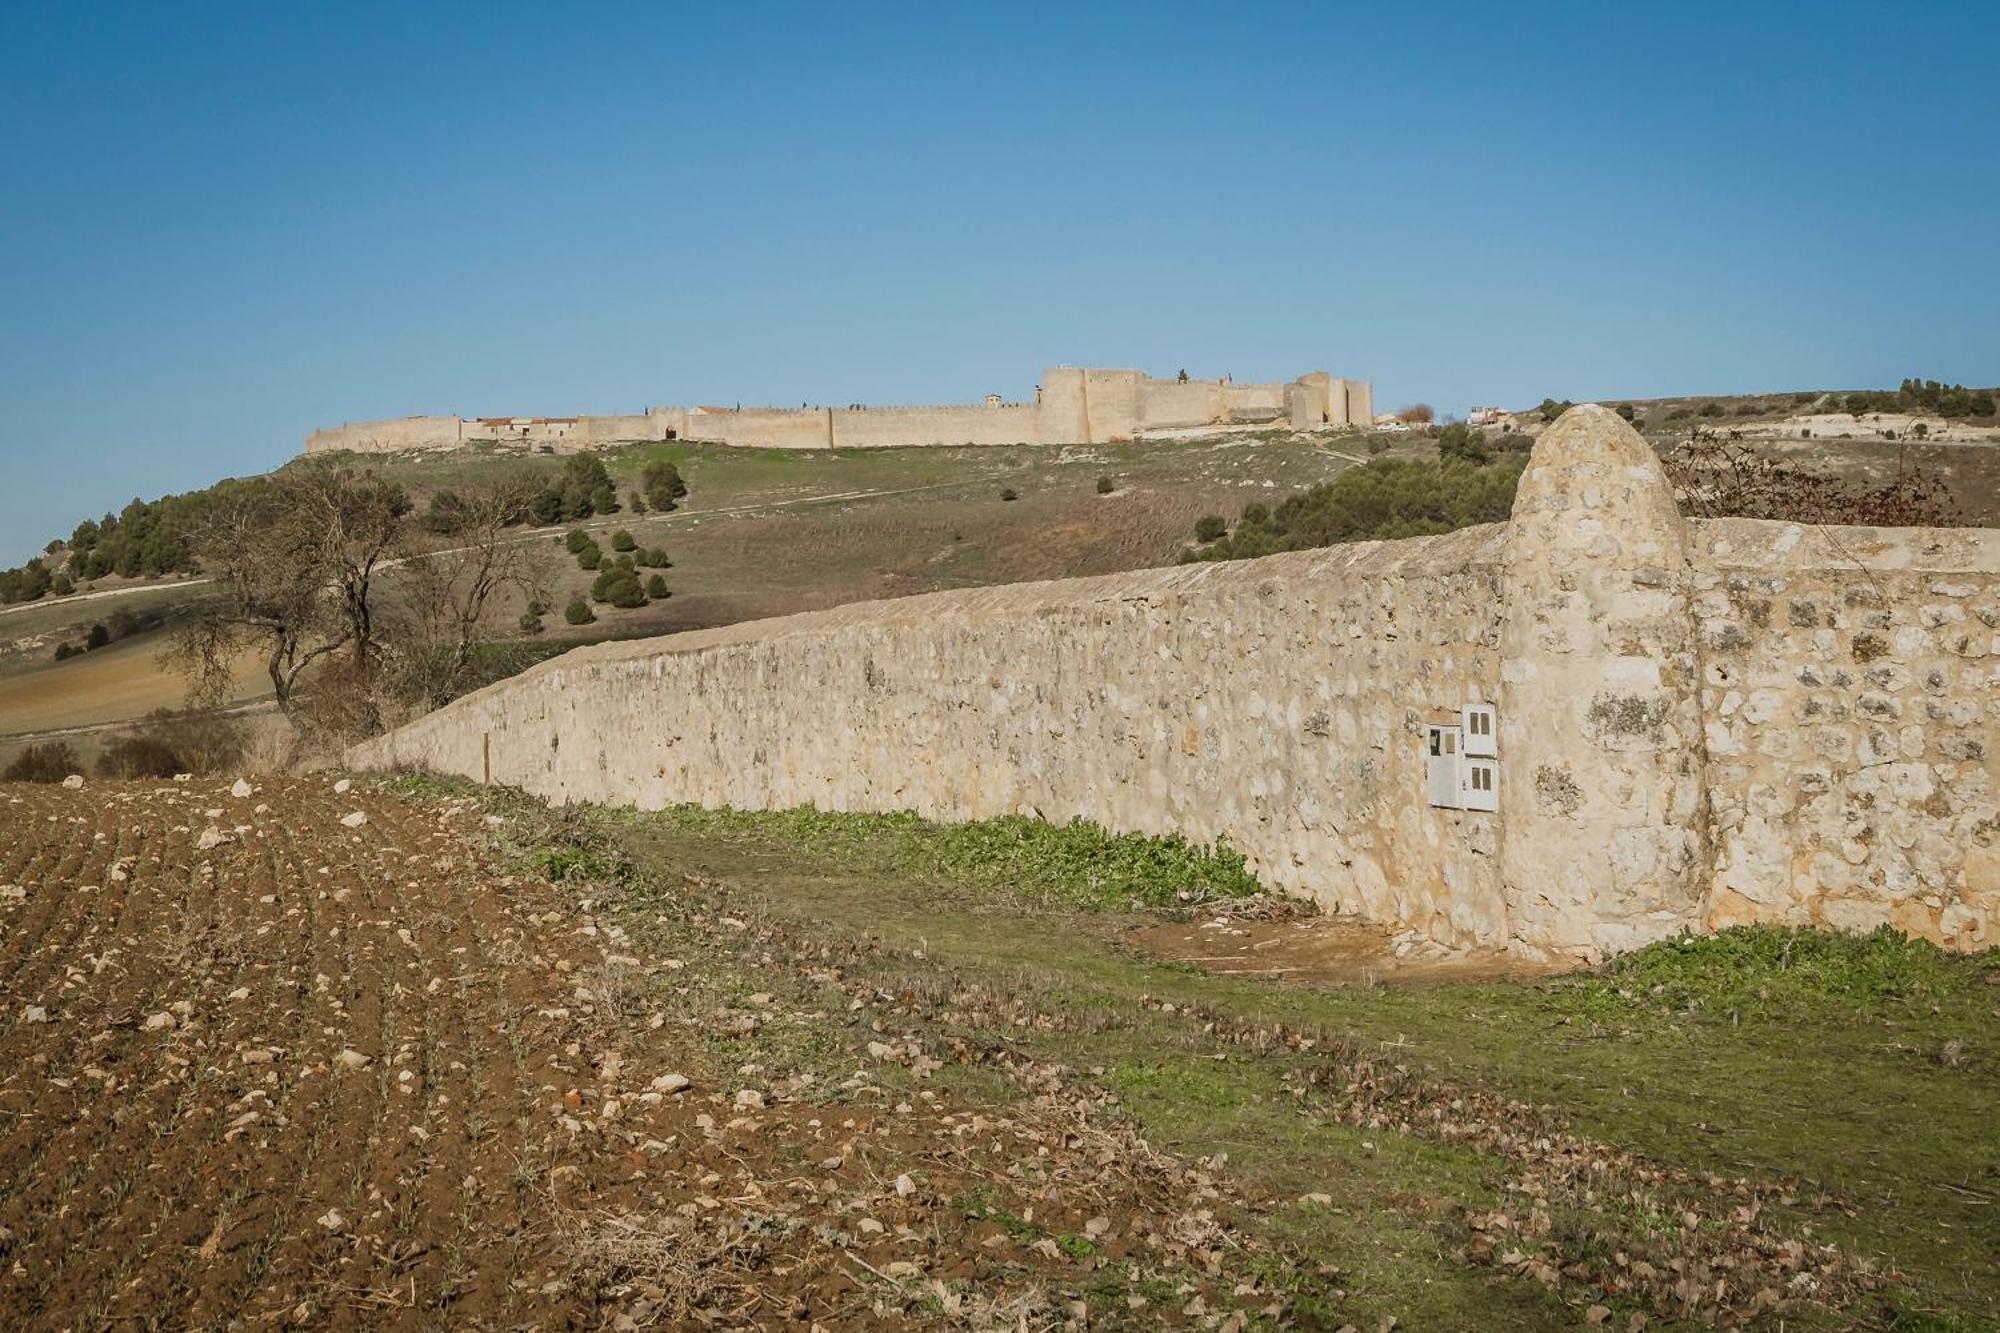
(1700, 723)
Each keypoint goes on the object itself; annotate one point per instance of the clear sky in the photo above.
(221, 226)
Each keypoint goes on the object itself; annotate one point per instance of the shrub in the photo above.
(65, 651)
(1009, 493)
(662, 484)
(546, 507)
(138, 756)
(1711, 408)
(1386, 498)
(447, 515)
(636, 503)
(624, 591)
(1551, 409)
(654, 558)
(166, 742)
(530, 623)
(1417, 414)
(42, 763)
(578, 612)
(1105, 485)
(1714, 479)
(576, 540)
(656, 586)
(590, 557)
(622, 540)
(99, 636)
(1459, 440)
(1256, 513)
(1627, 411)
(1210, 527)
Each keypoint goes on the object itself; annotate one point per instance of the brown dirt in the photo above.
(1320, 951)
(190, 1135)
(116, 683)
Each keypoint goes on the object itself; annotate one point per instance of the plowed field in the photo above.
(301, 1057)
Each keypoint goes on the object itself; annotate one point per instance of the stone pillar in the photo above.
(1604, 833)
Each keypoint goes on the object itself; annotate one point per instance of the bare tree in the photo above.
(294, 560)
(1713, 478)
(445, 596)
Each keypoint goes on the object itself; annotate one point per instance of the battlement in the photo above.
(1072, 405)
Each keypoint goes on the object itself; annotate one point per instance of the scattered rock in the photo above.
(34, 1013)
(340, 787)
(241, 789)
(74, 782)
(353, 1059)
(211, 837)
(355, 820)
(672, 1083)
(155, 1022)
(750, 1099)
(332, 1219)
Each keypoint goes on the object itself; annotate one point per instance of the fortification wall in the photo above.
(1254, 402)
(384, 437)
(1075, 406)
(762, 428)
(880, 427)
(1697, 724)
(1168, 405)
(608, 430)
(1850, 697)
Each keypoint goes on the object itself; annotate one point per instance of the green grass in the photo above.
(1862, 1069)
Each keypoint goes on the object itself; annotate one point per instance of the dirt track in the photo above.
(262, 1068)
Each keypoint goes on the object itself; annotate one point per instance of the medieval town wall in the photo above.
(383, 437)
(1697, 723)
(1074, 406)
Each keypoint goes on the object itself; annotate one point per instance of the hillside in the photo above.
(760, 533)
(769, 532)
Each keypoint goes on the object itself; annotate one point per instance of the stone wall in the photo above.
(1851, 699)
(383, 437)
(1073, 407)
(1269, 702)
(1698, 723)
(866, 428)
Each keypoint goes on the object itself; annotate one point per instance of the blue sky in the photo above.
(222, 226)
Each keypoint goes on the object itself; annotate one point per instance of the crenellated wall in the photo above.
(1072, 406)
(1698, 723)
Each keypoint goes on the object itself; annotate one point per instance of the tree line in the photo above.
(154, 538)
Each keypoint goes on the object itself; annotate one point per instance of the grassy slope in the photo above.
(1871, 1073)
(769, 532)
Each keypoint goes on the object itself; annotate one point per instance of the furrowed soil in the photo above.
(420, 1056)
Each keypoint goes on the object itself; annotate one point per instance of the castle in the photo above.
(1071, 406)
